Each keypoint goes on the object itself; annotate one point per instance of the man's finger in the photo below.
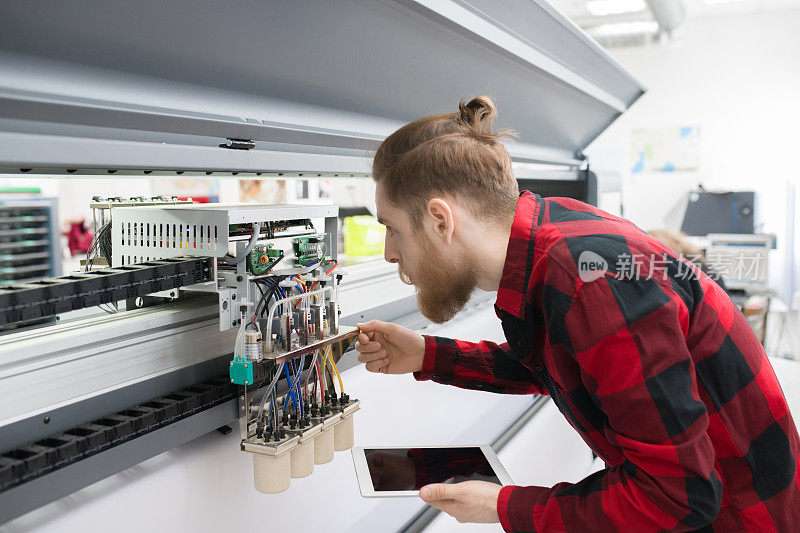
(441, 496)
(364, 338)
(448, 506)
(375, 326)
(369, 357)
(376, 366)
(368, 347)
(436, 492)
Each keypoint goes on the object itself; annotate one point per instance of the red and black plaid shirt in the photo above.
(654, 366)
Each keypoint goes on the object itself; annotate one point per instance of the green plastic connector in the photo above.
(262, 258)
(241, 371)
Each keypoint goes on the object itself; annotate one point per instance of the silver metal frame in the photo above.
(104, 363)
(146, 233)
(38, 492)
(304, 112)
(194, 225)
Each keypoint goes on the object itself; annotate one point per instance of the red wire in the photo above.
(335, 264)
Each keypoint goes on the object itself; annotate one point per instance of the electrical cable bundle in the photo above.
(294, 389)
(275, 287)
(255, 232)
(100, 246)
(331, 371)
(314, 365)
(272, 291)
(270, 389)
(105, 241)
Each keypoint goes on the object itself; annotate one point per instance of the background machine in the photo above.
(240, 314)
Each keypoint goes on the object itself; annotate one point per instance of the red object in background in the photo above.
(201, 199)
(79, 238)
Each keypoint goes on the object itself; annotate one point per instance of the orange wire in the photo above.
(335, 264)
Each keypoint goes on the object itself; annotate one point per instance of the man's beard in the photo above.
(443, 287)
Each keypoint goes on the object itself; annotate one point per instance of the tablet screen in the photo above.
(397, 469)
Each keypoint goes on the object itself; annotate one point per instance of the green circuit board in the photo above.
(262, 259)
(309, 250)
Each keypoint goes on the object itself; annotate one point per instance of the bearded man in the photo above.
(656, 368)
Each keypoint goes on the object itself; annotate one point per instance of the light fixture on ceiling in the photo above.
(602, 8)
(634, 22)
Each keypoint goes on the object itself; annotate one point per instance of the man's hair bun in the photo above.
(456, 154)
(479, 113)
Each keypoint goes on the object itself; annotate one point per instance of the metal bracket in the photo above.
(228, 316)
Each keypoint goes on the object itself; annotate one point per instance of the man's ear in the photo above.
(440, 219)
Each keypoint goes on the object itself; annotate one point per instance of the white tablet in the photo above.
(402, 471)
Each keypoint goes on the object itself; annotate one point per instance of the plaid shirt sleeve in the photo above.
(480, 365)
(637, 368)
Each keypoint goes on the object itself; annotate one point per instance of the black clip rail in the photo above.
(67, 447)
(47, 297)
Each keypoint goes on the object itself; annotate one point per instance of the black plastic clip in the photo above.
(239, 144)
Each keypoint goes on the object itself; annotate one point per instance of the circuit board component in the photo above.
(263, 258)
(309, 250)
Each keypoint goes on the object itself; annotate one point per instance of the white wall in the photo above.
(738, 78)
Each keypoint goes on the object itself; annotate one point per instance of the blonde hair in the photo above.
(680, 243)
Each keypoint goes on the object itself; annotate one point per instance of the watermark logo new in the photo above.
(591, 266)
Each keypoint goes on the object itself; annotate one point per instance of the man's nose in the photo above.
(389, 251)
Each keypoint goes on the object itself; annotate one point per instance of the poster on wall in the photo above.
(262, 191)
(665, 149)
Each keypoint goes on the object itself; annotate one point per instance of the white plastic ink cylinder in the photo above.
(303, 459)
(252, 347)
(323, 446)
(271, 473)
(344, 434)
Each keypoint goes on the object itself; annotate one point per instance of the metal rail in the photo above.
(50, 468)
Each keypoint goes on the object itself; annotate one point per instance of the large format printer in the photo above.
(256, 90)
